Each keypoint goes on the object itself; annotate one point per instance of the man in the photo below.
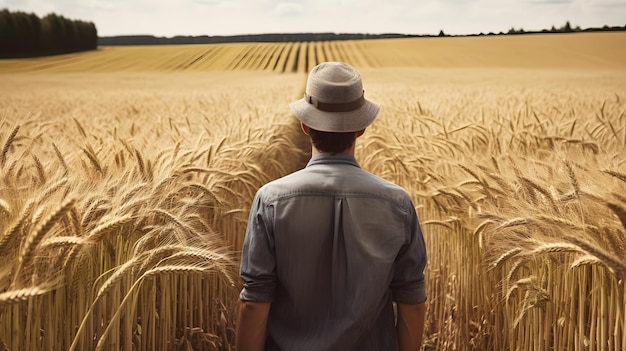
(330, 247)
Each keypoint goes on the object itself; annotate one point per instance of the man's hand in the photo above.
(251, 325)
(411, 326)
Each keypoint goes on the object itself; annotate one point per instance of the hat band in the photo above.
(338, 107)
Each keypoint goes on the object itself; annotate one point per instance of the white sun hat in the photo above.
(334, 100)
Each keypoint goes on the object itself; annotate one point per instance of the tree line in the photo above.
(308, 37)
(567, 28)
(25, 34)
(205, 39)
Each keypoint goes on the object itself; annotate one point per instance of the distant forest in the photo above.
(307, 37)
(25, 34)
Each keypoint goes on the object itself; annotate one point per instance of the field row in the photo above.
(530, 51)
(277, 57)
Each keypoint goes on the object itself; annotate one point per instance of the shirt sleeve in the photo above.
(258, 262)
(408, 286)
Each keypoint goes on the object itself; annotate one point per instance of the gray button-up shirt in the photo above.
(331, 246)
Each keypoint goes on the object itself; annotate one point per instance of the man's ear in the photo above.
(360, 132)
(305, 128)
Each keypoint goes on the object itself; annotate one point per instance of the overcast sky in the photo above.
(227, 17)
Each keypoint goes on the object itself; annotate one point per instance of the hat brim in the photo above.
(337, 122)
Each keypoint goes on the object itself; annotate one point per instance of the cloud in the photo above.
(285, 9)
(550, 2)
(605, 3)
(207, 2)
(38, 7)
(226, 17)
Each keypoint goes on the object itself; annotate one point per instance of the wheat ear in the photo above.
(98, 232)
(19, 295)
(93, 159)
(40, 231)
(52, 189)
(15, 229)
(135, 261)
(61, 159)
(62, 241)
(80, 128)
(5, 208)
(584, 261)
(613, 262)
(554, 248)
(505, 256)
(620, 211)
(7, 145)
(514, 222)
(617, 175)
(572, 177)
(141, 166)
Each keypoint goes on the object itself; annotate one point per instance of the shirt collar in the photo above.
(330, 158)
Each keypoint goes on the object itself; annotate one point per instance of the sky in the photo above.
(167, 18)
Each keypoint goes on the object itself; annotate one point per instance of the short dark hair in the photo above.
(331, 141)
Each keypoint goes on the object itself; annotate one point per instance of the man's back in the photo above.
(327, 246)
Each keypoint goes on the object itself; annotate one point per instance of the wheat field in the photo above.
(126, 175)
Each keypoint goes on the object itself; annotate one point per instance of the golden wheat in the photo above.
(163, 166)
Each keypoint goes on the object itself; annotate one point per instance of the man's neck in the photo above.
(348, 151)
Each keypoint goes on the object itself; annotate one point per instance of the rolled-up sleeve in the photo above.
(408, 286)
(258, 263)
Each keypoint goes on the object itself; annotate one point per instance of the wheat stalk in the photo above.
(155, 271)
(117, 275)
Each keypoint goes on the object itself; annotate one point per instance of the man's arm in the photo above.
(251, 325)
(410, 326)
